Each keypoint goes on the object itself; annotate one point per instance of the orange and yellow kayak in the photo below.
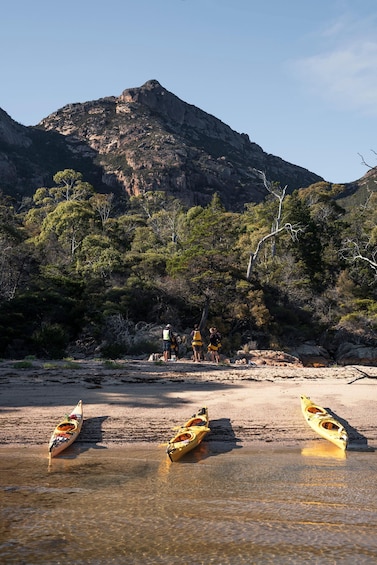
(66, 431)
(323, 423)
(189, 435)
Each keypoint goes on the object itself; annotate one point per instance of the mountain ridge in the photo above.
(145, 139)
(160, 142)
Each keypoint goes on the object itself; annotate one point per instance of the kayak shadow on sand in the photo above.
(222, 438)
(356, 440)
(91, 434)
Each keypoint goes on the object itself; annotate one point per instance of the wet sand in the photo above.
(139, 402)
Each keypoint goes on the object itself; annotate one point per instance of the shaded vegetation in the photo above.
(77, 270)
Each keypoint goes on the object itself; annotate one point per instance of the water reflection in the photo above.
(323, 449)
(133, 506)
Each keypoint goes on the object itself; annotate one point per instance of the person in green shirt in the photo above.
(166, 342)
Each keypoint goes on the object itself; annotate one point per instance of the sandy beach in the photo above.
(132, 402)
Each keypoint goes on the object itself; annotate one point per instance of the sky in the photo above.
(298, 76)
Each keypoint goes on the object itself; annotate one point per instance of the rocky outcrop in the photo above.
(312, 355)
(145, 139)
(29, 157)
(148, 139)
(346, 353)
(13, 138)
(12, 133)
(266, 357)
(356, 354)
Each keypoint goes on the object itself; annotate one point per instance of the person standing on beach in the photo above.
(196, 343)
(214, 344)
(166, 342)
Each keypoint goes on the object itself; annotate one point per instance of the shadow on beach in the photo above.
(91, 434)
(357, 441)
(222, 438)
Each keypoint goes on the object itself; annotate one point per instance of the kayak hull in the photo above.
(323, 423)
(189, 436)
(66, 431)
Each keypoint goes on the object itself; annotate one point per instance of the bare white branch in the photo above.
(352, 252)
(276, 228)
(293, 231)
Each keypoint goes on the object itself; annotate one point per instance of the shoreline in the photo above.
(138, 402)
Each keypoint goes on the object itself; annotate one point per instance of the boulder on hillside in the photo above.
(356, 354)
(263, 357)
(312, 355)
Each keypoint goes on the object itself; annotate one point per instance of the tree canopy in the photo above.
(74, 266)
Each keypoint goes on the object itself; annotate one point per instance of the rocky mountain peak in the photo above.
(149, 139)
(12, 133)
(183, 115)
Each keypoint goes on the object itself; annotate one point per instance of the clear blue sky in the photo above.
(298, 76)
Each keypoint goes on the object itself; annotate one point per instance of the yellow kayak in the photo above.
(66, 431)
(323, 423)
(189, 435)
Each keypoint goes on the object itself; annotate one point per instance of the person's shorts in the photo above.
(166, 345)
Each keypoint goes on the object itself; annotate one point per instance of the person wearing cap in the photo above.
(166, 342)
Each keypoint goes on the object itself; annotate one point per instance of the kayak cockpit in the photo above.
(316, 410)
(66, 427)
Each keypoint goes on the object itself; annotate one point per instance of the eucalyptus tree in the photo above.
(161, 212)
(149, 202)
(277, 227)
(70, 222)
(206, 262)
(103, 205)
(13, 255)
(359, 245)
(166, 222)
(97, 256)
(70, 186)
(358, 252)
(63, 216)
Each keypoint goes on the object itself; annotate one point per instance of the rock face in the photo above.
(29, 157)
(267, 357)
(346, 353)
(312, 355)
(145, 139)
(148, 139)
(11, 135)
(356, 354)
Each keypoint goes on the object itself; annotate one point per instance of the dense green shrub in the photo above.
(50, 341)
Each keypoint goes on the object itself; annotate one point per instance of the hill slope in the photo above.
(145, 139)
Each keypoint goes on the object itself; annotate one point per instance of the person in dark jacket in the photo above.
(214, 345)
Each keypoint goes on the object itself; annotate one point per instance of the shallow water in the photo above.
(133, 506)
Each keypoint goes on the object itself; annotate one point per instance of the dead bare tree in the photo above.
(363, 162)
(363, 248)
(352, 252)
(277, 227)
(289, 228)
